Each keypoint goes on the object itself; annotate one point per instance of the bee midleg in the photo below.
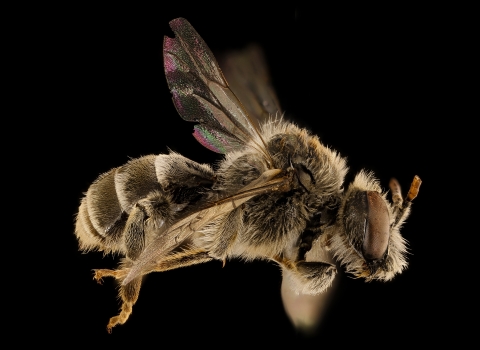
(308, 277)
(223, 235)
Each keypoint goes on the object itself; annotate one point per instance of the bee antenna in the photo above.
(400, 205)
(414, 189)
(396, 193)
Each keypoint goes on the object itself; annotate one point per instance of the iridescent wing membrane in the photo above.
(201, 93)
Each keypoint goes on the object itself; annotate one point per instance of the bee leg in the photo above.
(129, 295)
(135, 232)
(226, 235)
(186, 257)
(146, 219)
(129, 292)
(309, 277)
(117, 274)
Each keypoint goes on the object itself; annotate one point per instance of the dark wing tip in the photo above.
(178, 22)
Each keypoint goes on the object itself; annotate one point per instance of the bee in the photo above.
(278, 193)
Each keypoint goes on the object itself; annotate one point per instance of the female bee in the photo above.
(277, 194)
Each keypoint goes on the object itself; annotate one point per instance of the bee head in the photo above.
(368, 240)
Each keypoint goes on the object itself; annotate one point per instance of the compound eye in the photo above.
(377, 227)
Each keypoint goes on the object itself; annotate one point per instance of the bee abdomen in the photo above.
(98, 211)
(105, 208)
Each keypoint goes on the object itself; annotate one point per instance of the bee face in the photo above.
(368, 241)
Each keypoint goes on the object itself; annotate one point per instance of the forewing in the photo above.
(247, 75)
(201, 93)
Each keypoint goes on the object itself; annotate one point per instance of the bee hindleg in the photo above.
(146, 219)
(129, 292)
(129, 295)
(149, 215)
(310, 277)
(135, 233)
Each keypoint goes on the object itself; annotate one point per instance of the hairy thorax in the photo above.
(268, 223)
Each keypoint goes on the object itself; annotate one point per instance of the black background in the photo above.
(365, 82)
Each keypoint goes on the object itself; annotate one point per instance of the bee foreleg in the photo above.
(310, 277)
